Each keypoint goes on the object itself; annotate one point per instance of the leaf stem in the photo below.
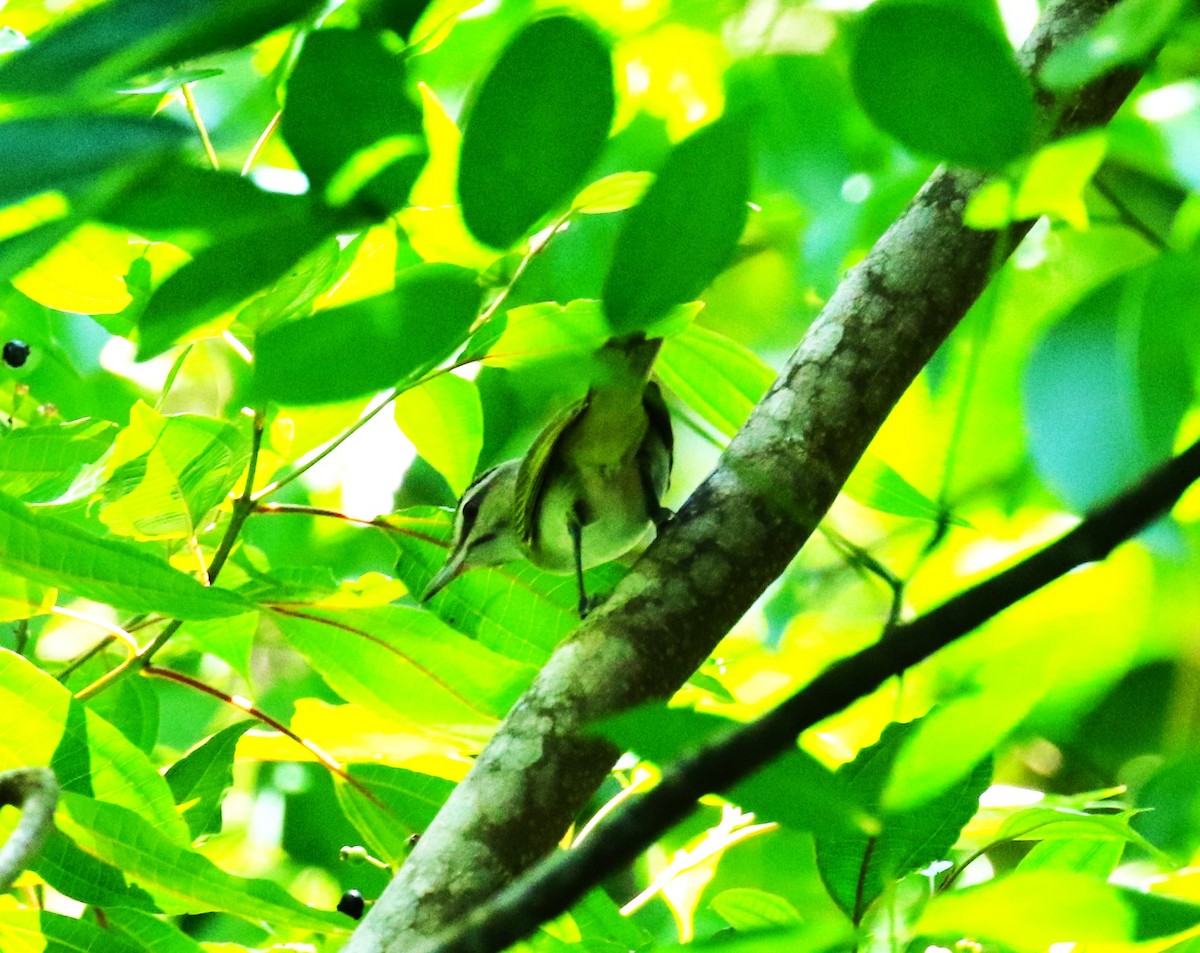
(242, 508)
(190, 101)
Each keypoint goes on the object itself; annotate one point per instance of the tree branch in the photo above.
(735, 534)
(559, 881)
(35, 792)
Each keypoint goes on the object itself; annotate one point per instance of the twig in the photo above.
(35, 792)
(554, 885)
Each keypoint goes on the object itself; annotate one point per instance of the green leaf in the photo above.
(371, 344)
(942, 81)
(117, 771)
(404, 662)
(180, 880)
(122, 38)
(38, 463)
(405, 804)
(746, 910)
(1107, 386)
(517, 610)
(40, 931)
(1129, 33)
(349, 122)
(716, 377)
(1094, 857)
(534, 128)
(200, 779)
(794, 789)
(876, 485)
(77, 874)
(816, 937)
(685, 229)
(45, 548)
(192, 207)
(167, 473)
(218, 278)
(613, 193)
(443, 417)
(36, 157)
(856, 867)
(534, 333)
(1032, 911)
(154, 934)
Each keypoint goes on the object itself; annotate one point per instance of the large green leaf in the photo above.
(943, 81)
(219, 277)
(192, 206)
(858, 867)
(349, 121)
(405, 663)
(518, 610)
(684, 231)
(718, 378)
(153, 933)
(536, 125)
(122, 38)
(371, 344)
(443, 417)
(77, 874)
(40, 931)
(1029, 912)
(39, 463)
(179, 879)
(59, 152)
(41, 718)
(40, 546)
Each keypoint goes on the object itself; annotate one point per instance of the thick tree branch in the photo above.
(735, 535)
(35, 792)
(558, 882)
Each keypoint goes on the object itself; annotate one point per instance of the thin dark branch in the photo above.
(35, 792)
(554, 885)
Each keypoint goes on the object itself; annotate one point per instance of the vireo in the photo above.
(588, 489)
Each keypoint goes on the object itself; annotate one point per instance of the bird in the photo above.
(588, 489)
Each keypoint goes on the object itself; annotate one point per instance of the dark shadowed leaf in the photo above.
(942, 81)
(349, 121)
(122, 38)
(371, 344)
(217, 279)
(535, 127)
(684, 231)
(55, 152)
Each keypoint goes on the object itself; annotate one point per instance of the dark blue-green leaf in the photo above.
(943, 82)
(371, 344)
(535, 127)
(349, 121)
(685, 229)
(218, 278)
(58, 152)
(112, 41)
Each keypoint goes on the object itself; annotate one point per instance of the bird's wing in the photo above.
(531, 477)
(660, 419)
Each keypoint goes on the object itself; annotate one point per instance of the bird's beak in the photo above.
(448, 573)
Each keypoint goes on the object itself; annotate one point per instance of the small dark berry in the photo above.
(15, 353)
(352, 904)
